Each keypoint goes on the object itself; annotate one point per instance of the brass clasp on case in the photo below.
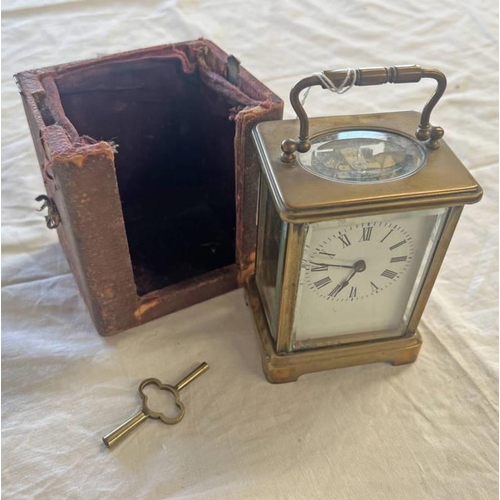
(52, 219)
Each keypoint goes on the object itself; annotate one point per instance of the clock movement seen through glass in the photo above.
(363, 156)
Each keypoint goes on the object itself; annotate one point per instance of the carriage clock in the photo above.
(354, 220)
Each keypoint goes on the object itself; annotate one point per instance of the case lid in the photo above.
(359, 164)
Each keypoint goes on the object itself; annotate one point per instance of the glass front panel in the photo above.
(360, 277)
(271, 242)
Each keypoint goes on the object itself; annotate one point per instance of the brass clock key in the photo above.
(111, 439)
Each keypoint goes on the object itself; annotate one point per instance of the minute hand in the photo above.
(330, 265)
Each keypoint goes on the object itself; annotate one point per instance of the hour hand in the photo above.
(338, 289)
(358, 267)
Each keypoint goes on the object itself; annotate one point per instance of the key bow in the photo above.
(158, 414)
(115, 436)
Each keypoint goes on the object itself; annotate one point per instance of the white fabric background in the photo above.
(423, 431)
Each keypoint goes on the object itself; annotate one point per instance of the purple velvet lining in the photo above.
(174, 165)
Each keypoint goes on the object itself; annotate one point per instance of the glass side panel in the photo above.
(271, 243)
(361, 277)
(363, 156)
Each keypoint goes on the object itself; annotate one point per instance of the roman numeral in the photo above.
(352, 293)
(382, 240)
(374, 286)
(397, 245)
(399, 259)
(326, 253)
(322, 282)
(389, 274)
(367, 234)
(319, 268)
(345, 240)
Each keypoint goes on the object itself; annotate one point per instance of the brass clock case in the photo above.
(402, 165)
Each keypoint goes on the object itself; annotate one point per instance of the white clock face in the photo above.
(385, 251)
(361, 276)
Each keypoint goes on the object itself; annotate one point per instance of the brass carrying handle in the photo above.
(361, 77)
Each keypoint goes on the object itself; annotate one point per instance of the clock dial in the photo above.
(358, 261)
(360, 277)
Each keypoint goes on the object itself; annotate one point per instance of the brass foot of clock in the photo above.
(288, 367)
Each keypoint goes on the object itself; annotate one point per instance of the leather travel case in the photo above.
(150, 174)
